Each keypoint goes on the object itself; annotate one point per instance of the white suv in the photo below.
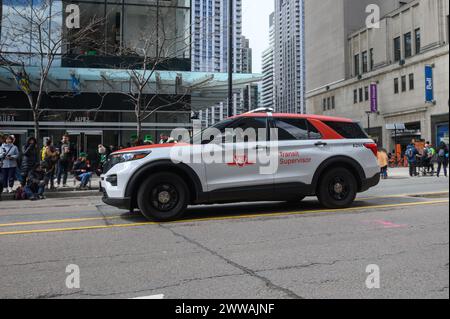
(331, 158)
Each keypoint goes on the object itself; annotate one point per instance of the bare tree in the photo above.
(34, 35)
(152, 49)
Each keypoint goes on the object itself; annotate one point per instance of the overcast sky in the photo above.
(255, 26)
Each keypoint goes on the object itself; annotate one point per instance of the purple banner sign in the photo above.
(373, 98)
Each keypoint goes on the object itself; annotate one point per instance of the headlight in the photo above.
(115, 159)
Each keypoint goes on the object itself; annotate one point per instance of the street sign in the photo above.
(396, 126)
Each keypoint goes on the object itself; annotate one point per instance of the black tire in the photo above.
(163, 197)
(337, 188)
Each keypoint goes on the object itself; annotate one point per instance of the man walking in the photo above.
(442, 158)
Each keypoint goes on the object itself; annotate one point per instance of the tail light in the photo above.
(373, 147)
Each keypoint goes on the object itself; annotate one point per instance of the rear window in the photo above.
(348, 130)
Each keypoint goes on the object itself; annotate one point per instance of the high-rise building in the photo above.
(326, 34)
(247, 56)
(392, 78)
(210, 36)
(268, 68)
(289, 56)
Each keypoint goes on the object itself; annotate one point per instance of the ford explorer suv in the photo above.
(287, 158)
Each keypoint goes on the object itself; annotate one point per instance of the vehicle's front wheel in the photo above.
(337, 188)
(163, 197)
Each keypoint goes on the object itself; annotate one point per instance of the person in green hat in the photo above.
(148, 140)
(82, 170)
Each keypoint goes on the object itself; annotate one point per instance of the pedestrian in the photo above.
(82, 171)
(30, 157)
(36, 181)
(102, 158)
(51, 157)
(442, 159)
(383, 162)
(65, 161)
(9, 153)
(411, 156)
(148, 140)
(2, 140)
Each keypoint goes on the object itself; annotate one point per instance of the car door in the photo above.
(301, 151)
(241, 166)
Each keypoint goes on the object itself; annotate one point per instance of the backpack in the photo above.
(441, 152)
(20, 194)
(409, 153)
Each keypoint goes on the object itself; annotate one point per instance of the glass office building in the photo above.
(86, 92)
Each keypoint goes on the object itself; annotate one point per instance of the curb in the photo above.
(60, 194)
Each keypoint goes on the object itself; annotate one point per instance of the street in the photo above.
(239, 251)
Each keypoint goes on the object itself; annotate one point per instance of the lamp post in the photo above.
(368, 122)
(230, 58)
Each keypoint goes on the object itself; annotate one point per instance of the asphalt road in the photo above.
(264, 250)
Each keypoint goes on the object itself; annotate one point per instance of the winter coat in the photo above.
(30, 157)
(12, 151)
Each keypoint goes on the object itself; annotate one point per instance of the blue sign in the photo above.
(429, 84)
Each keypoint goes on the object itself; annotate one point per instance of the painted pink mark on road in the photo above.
(387, 224)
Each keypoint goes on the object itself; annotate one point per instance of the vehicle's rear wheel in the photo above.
(163, 197)
(337, 188)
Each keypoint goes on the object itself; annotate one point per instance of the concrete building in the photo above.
(210, 36)
(267, 92)
(400, 67)
(247, 56)
(289, 56)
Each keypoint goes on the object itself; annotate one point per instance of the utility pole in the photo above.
(230, 58)
(368, 122)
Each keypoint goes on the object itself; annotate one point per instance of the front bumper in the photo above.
(121, 203)
(370, 182)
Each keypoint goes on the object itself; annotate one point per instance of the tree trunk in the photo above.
(139, 129)
(36, 125)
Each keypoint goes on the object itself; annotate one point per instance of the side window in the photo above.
(250, 129)
(295, 129)
(348, 130)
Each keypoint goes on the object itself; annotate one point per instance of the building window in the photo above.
(411, 81)
(365, 62)
(404, 83)
(417, 41)
(324, 104)
(372, 64)
(333, 102)
(397, 50)
(408, 45)
(366, 93)
(396, 88)
(361, 95)
(357, 65)
(355, 96)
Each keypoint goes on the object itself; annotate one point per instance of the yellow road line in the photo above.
(403, 195)
(223, 218)
(59, 221)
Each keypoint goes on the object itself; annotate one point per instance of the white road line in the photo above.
(161, 296)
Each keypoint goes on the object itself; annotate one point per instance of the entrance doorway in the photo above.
(87, 142)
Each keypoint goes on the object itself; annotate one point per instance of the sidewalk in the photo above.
(70, 191)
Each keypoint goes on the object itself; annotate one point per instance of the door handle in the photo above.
(318, 144)
(260, 147)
